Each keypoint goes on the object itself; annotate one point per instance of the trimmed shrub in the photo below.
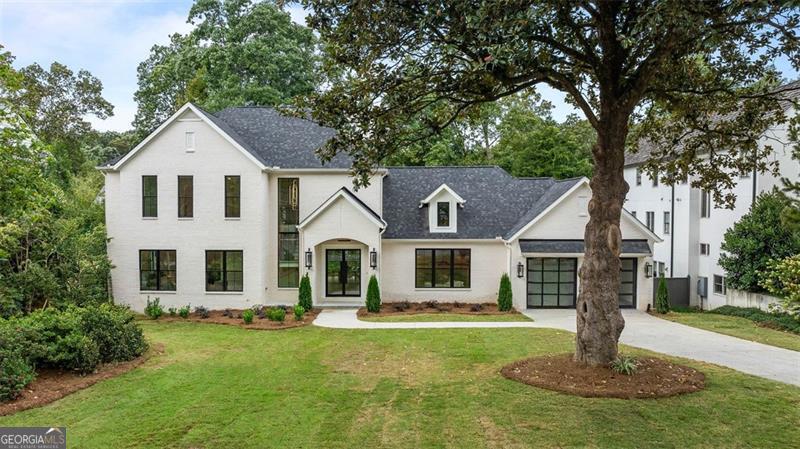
(276, 314)
(114, 330)
(298, 312)
(58, 340)
(16, 370)
(781, 321)
(662, 296)
(304, 293)
(504, 296)
(247, 316)
(373, 295)
(184, 312)
(154, 309)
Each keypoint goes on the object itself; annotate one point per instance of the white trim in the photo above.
(340, 194)
(441, 240)
(430, 197)
(582, 182)
(173, 117)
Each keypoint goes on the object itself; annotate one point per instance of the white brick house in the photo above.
(229, 210)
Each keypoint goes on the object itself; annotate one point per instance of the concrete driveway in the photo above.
(667, 337)
(641, 330)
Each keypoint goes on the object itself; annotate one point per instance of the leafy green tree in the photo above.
(240, 52)
(662, 296)
(505, 296)
(758, 237)
(373, 295)
(782, 278)
(57, 102)
(52, 237)
(697, 76)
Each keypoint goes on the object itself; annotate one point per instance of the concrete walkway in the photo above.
(641, 330)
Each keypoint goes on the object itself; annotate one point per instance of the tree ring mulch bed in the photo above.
(233, 317)
(51, 385)
(416, 308)
(654, 378)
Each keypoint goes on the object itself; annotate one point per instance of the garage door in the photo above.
(551, 282)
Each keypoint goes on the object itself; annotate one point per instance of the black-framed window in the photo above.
(705, 204)
(719, 285)
(650, 220)
(638, 176)
(655, 179)
(288, 235)
(442, 268)
(705, 249)
(627, 282)
(224, 271)
(443, 214)
(185, 196)
(233, 199)
(551, 281)
(157, 269)
(149, 196)
(633, 212)
(667, 223)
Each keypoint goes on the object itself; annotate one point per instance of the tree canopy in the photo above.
(241, 52)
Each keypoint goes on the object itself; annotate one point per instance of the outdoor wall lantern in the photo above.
(648, 269)
(520, 270)
(373, 258)
(308, 258)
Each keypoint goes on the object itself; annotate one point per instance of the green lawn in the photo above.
(310, 387)
(428, 317)
(736, 327)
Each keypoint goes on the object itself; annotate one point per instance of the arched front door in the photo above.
(343, 272)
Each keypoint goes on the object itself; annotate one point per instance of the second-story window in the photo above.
(655, 179)
(185, 197)
(443, 214)
(638, 176)
(667, 223)
(149, 196)
(705, 204)
(651, 220)
(233, 191)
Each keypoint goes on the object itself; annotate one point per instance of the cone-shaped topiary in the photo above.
(662, 296)
(504, 296)
(373, 295)
(304, 294)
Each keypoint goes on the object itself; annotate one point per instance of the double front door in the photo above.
(343, 272)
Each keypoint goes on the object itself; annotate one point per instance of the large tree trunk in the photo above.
(599, 321)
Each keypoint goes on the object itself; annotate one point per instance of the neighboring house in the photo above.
(692, 226)
(229, 210)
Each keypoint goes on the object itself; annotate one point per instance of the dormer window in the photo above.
(443, 204)
(443, 214)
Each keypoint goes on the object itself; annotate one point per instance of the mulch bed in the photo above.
(51, 385)
(654, 378)
(233, 317)
(416, 308)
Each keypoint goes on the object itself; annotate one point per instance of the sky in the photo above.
(110, 38)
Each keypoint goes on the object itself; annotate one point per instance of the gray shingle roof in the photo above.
(577, 246)
(277, 140)
(497, 204)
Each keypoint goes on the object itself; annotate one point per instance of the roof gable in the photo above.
(349, 196)
(442, 188)
(117, 163)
